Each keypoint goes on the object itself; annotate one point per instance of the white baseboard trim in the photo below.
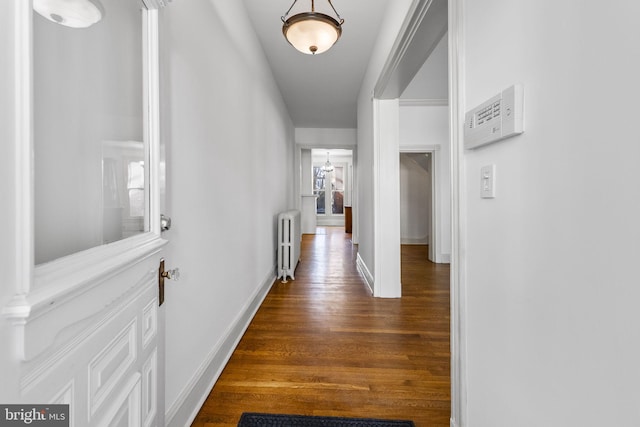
(362, 268)
(188, 403)
(446, 258)
(452, 423)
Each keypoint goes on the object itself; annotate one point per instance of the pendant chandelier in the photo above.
(328, 167)
(70, 13)
(312, 32)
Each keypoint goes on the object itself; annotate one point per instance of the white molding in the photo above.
(424, 102)
(150, 389)
(366, 273)
(66, 278)
(416, 14)
(149, 322)
(458, 214)
(186, 406)
(23, 144)
(155, 4)
(420, 148)
(49, 364)
(130, 395)
(151, 97)
(66, 396)
(110, 365)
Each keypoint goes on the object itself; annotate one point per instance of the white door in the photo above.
(86, 305)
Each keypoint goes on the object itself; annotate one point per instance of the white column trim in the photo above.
(458, 214)
(23, 143)
(386, 166)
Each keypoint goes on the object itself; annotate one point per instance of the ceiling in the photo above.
(320, 91)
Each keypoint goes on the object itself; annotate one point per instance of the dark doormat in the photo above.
(252, 419)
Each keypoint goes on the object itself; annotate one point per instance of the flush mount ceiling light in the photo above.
(312, 32)
(70, 13)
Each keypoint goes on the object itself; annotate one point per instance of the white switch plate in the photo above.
(488, 182)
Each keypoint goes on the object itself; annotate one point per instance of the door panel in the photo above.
(92, 366)
(87, 326)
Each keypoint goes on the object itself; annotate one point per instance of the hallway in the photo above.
(321, 345)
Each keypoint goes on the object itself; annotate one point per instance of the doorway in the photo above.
(416, 199)
(331, 172)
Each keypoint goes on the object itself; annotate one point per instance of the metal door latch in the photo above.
(165, 274)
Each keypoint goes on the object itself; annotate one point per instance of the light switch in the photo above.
(488, 182)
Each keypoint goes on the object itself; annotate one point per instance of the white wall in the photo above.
(365, 214)
(326, 137)
(428, 126)
(552, 319)
(431, 81)
(229, 161)
(306, 173)
(415, 202)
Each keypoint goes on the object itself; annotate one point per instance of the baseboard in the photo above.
(186, 406)
(445, 258)
(362, 268)
(452, 423)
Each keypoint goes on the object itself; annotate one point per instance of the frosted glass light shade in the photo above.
(311, 32)
(70, 13)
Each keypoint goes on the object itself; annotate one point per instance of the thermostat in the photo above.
(497, 118)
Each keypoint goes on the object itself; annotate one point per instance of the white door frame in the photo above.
(59, 306)
(435, 241)
(329, 218)
(419, 9)
(300, 192)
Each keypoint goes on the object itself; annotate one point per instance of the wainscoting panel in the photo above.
(108, 367)
(104, 366)
(150, 389)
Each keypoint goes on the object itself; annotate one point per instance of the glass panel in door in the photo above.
(88, 132)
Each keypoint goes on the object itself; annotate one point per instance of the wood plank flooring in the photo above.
(322, 345)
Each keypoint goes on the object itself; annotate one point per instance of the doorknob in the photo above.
(165, 274)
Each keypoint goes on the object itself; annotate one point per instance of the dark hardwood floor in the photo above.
(322, 345)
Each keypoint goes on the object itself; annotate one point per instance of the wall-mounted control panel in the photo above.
(497, 118)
